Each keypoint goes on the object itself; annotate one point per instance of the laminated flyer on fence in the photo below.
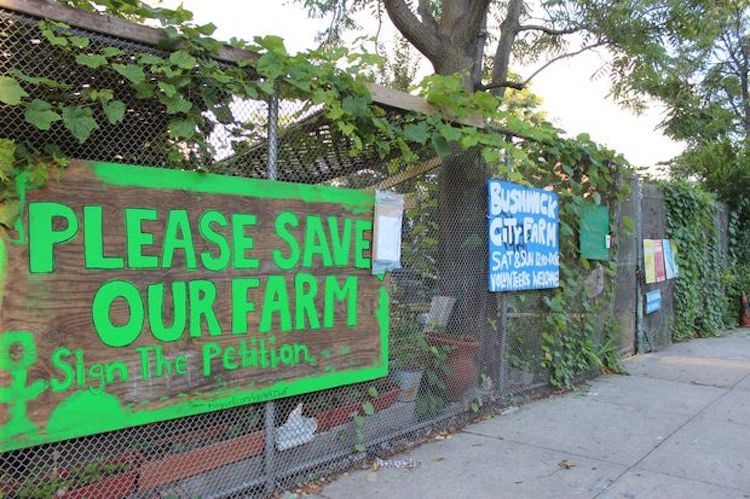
(524, 248)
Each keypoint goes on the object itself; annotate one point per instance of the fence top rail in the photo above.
(119, 28)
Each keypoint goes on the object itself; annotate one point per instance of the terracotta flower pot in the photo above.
(330, 418)
(174, 467)
(744, 311)
(115, 486)
(462, 367)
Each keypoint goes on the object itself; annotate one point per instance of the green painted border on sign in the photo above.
(86, 413)
(120, 175)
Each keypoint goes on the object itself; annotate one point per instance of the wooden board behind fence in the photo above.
(60, 379)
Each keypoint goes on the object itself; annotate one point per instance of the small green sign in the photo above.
(595, 232)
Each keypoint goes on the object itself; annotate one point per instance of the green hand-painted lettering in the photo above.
(219, 262)
(305, 292)
(316, 243)
(361, 243)
(241, 306)
(348, 292)
(242, 243)
(284, 219)
(93, 242)
(18, 345)
(275, 300)
(178, 235)
(109, 333)
(43, 237)
(136, 238)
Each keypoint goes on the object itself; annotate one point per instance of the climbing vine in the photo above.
(579, 334)
(194, 93)
(701, 308)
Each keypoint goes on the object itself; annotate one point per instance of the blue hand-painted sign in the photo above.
(524, 250)
(653, 301)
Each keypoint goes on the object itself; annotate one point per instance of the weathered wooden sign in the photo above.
(131, 295)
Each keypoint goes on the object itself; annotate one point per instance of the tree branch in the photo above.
(508, 32)
(560, 57)
(423, 36)
(501, 84)
(425, 12)
(472, 21)
(551, 31)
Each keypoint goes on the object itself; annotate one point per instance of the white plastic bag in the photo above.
(297, 430)
(386, 241)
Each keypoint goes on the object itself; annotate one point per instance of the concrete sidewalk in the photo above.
(678, 426)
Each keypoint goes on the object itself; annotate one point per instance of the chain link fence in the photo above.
(454, 345)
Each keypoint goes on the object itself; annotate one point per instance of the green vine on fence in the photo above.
(700, 304)
(580, 332)
(196, 93)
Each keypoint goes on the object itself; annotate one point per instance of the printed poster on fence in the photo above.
(661, 274)
(524, 248)
(130, 295)
(670, 264)
(649, 263)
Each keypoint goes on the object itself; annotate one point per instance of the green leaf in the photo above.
(9, 211)
(416, 133)
(368, 408)
(182, 59)
(143, 90)
(490, 155)
(38, 173)
(132, 72)
(372, 392)
(628, 223)
(150, 59)
(111, 51)
(79, 121)
(169, 90)
(273, 44)
(115, 111)
(39, 80)
(7, 159)
(224, 115)
(40, 114)
(355, 106)
(360, 448)
(11, 92)
(469, 140)
(176, 104)
(80, 42)
(450, 133)
(565, 230)
(92, 61)
(440, 144)
(182, 128)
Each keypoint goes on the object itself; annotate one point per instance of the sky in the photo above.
(572, 99)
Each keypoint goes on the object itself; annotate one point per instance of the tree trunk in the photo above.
(454, 43)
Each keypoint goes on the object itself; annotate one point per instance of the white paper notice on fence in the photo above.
(386, 240)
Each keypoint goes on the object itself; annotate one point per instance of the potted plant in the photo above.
(462, 371)
(743, 288)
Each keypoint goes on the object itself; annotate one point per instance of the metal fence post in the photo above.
(269, 426)
(273, 139)
(640, 327)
